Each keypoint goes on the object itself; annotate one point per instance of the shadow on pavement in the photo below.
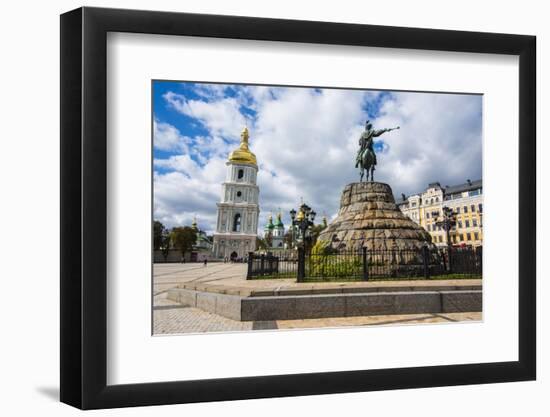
(264, 325)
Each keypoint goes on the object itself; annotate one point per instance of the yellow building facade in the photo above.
(466, 202)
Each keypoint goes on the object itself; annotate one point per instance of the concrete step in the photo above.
(295, 307)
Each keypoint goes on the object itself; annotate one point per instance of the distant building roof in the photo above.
(453, 189)
(467, 186)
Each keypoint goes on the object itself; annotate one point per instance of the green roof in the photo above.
(269, 225)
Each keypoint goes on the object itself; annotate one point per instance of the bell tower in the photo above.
(238, 209)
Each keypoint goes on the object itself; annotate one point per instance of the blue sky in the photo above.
(305, 140)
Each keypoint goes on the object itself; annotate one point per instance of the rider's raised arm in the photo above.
(381, 131)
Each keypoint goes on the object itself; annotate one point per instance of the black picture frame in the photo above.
(84, 207)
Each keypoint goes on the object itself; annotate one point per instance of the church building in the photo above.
(238, 210)
(275, 233)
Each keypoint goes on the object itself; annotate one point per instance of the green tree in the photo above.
(261, 244)
(165, 243)
(183, 239)
(316, 231)
(158, 232)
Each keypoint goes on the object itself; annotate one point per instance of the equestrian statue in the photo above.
(366, 158)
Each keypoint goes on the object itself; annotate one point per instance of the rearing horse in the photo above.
(366, 157)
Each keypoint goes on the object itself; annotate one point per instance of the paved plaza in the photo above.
(166, 276)
(172, 318)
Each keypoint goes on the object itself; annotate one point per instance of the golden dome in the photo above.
(242, 154)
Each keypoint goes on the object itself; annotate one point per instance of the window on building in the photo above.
(476, 236)
(462, 238)
(239, 193)
(237, 223)
(457, 210)
(473, 208)
(240, 174)
(474, 222)
(465, 209)
(454, 238)
(469, 236)
(459, 224)
(437, 199)
(427, 215)
(467, 223)
(480, 207)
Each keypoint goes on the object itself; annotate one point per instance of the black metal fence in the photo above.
(363, 265)
(281, 264)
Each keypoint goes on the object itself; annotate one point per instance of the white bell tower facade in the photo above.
(238, 210)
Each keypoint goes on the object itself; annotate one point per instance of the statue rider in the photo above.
(366, 157)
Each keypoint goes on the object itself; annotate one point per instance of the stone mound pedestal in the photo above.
(368, 217)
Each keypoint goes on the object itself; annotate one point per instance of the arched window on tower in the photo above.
(240, 174)
(237, 223)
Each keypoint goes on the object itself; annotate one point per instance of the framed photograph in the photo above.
(257, 208)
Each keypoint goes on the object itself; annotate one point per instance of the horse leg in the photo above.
(361, 173)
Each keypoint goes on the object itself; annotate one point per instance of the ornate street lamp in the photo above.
(447, 222)
(302, 221)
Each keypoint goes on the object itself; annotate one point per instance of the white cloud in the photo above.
(167, 138)
(306, 140)
(439, 140)
(221, 117)
(187, 191)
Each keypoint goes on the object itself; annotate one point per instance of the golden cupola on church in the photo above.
(243, 155)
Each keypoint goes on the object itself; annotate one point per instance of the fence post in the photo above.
(250, 259)
(269, 259)
(425, 260)
(365, 265)
(262, 264)
(301, 264)
(479, 253)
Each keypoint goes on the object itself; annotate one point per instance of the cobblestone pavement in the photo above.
(232, 277)
(173, 318)
(167, 276)
(170, 317)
